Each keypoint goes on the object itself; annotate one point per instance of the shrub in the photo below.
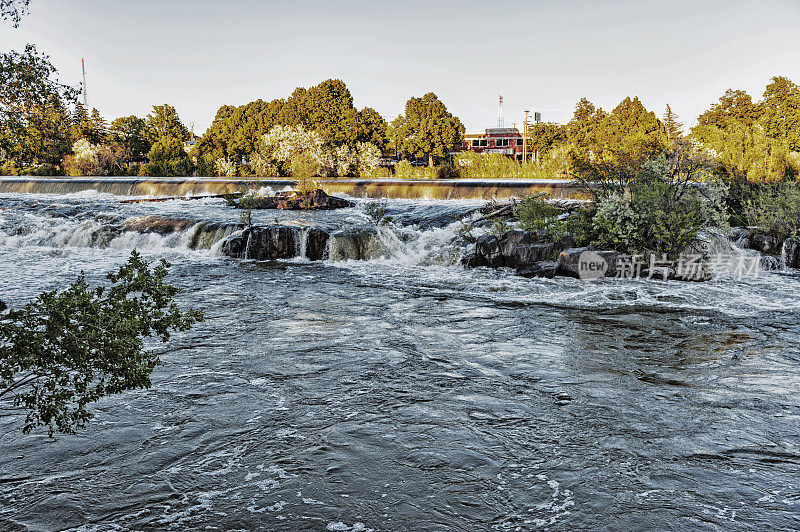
(776, 210)
(448, 171)
(378, 212)
(535, 213)
(9, 168)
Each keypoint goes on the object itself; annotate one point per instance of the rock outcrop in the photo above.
(316, 200)
(525, 252)
(791, 252)
(277, 242)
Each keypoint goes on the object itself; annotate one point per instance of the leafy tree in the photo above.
(544, 136)
(67, 349)
(30, 94)
(672, 125)
(164, 122)
(735, 107)
(129, 133)
(14, 10)
(781, 111)
(586, 125)
(633, 130)
(428, 129)
(754, 141)
(167, 158)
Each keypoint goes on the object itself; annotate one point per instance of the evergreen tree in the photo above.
(98, 128)
(781, 111)
(672, 125)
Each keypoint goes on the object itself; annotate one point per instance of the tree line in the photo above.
(44, 130)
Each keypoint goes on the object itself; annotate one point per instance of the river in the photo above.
(406, 393)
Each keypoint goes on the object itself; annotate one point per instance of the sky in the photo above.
(542, 55)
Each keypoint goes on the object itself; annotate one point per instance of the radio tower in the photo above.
(500, 121)
(85, 97)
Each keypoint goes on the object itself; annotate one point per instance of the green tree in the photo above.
(167, 158)
(98, 128)
(14, 10)
(164, 122)
(29, 93)
(585, 126)
(129, 133)
(544, 136)
(428, 129)
(781, 111)
(67, 349)
(632, 130)
(735, 107)
(672, 125)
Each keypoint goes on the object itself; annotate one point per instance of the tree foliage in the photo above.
(14, 10)
(67, 349)
(33, 108)
(427, 128)
(327, 109)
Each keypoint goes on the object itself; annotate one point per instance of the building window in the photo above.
(501, 143)
(476, 143)
(484, 143)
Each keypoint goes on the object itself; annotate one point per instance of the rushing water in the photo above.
(405, 393)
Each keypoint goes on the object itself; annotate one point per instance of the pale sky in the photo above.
(542, 55)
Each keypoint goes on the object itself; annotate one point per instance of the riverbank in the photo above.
(358, 188)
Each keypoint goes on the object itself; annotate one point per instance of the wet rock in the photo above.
(570, 263)
(514, 249)
(488, 252)
(791, 252)
(765, 243)
(156, 224)
(271, 243)
(316, 243)
(740, 236)
(355, 245)
(470, 260)
(545, 268)
(233, 246)
(520, 249)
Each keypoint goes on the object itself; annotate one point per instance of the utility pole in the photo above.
(85, 96)
(525, 138)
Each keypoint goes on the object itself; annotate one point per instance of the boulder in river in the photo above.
(765, 243)
(277, 242)
(587, 263)
(545, 268)
(514, 249)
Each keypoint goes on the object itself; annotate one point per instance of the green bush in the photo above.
(776, 210)
(9, 168)
(448, 171)
(535, 214)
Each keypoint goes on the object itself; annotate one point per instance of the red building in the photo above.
(502, 140)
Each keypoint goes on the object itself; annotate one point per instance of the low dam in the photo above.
(361, 188)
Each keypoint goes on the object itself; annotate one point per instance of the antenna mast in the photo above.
(85, 97)
(500, 121)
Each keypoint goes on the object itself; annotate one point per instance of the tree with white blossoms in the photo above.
(224, 168)
(91, 160)
(285, 149)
